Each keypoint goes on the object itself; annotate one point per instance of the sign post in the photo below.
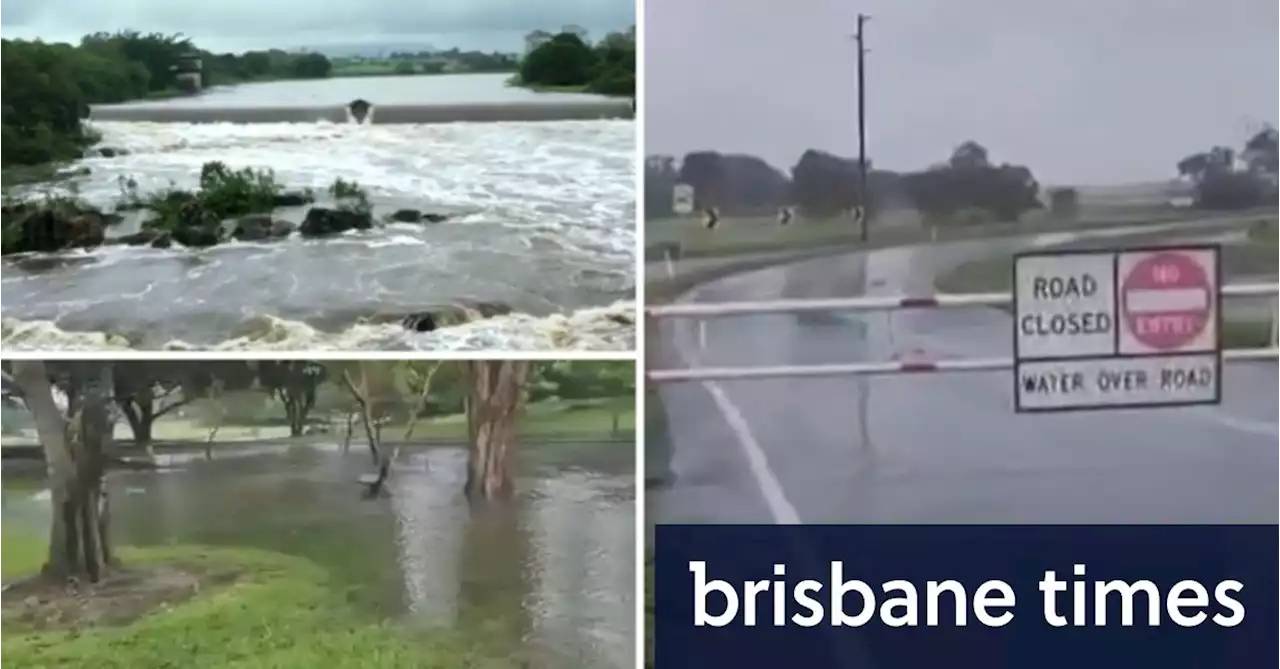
(1130, 328)
(682, 199)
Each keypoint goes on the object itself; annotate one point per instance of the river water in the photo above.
(543, 220)
(549, 579)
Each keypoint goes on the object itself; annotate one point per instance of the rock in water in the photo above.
(406, 215)
(445, 316)
(291, 198)
(359, 109)
(416, 216)
(258, 227)
(50, 229)
(325, 221)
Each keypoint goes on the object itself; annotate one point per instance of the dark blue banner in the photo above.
(969, 596)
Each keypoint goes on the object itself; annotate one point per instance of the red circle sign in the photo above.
(1167, 300)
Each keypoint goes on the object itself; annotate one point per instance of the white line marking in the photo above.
(671, 267)
(770, 487)
(1176, 299)
(781, 509)
(1252, 426)
(702, 335)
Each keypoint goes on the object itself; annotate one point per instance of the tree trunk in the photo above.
(141, 414)
(351, 421)
(76, 454)
(494, 401)
(359, 393)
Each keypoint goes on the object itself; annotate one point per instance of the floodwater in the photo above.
(389, 90)
(548, 579)
(542, 221)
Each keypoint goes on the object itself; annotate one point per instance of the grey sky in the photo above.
(1081, 91)
(237, 24)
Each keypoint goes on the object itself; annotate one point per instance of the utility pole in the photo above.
(862, 129)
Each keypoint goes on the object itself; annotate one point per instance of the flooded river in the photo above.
(549, 578)
(542, 220)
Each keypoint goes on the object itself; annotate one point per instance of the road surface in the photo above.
(937, 448)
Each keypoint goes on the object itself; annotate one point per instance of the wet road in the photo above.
(940, 448)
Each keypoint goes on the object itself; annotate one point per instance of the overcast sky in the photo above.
(241, 24)
(1082, 92)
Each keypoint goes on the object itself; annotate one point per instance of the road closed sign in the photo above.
(1114, 329)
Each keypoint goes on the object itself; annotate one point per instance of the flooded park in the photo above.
(540, 577)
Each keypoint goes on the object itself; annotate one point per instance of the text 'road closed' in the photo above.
(1113, 381)
(1066, 305)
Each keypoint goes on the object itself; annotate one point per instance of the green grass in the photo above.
(556, 419)
(553, 419)
(756, 234)
(22, 553)
(280, 614)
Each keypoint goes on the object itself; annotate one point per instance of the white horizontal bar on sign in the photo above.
(883, 368)
(882, 303)
(1174, 299)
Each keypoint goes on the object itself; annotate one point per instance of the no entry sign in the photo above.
(1168, 301)
(1116, 328)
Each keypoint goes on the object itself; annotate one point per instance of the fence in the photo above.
(891, 303)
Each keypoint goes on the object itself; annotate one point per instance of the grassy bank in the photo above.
(1246, 260)
(551, 420)
(554, 419)
(759, 234)
(255, 610)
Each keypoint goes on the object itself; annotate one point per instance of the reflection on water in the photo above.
(547, 578)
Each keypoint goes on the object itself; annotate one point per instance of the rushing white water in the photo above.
(542, 220)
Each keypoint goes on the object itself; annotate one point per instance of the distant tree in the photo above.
(405, 67)
(563, 60)
(969, 155)
(312, 66)
(704, 171)
(294, 384)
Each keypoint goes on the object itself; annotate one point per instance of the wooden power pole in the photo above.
(862, 130)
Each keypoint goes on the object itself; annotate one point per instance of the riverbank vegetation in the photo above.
(405, 63)
(48, 87)
(210, 607)
(77, 599)
(567, 62)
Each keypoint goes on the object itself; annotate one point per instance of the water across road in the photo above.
(938, 448)
(542, 220)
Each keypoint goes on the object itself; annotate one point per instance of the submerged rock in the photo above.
(292, 198)
(141, 238)
(325, 221)
(196, 237)
(416, 216)
(258, 227)
(49, 229)
(444, 316)
(110, 151)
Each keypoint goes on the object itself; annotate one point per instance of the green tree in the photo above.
(312, 66)
(563, 60)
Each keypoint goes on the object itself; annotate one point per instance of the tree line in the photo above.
(77, 438)
(566, 60)
(823, 185)
(1226, 179)
(48, 87)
